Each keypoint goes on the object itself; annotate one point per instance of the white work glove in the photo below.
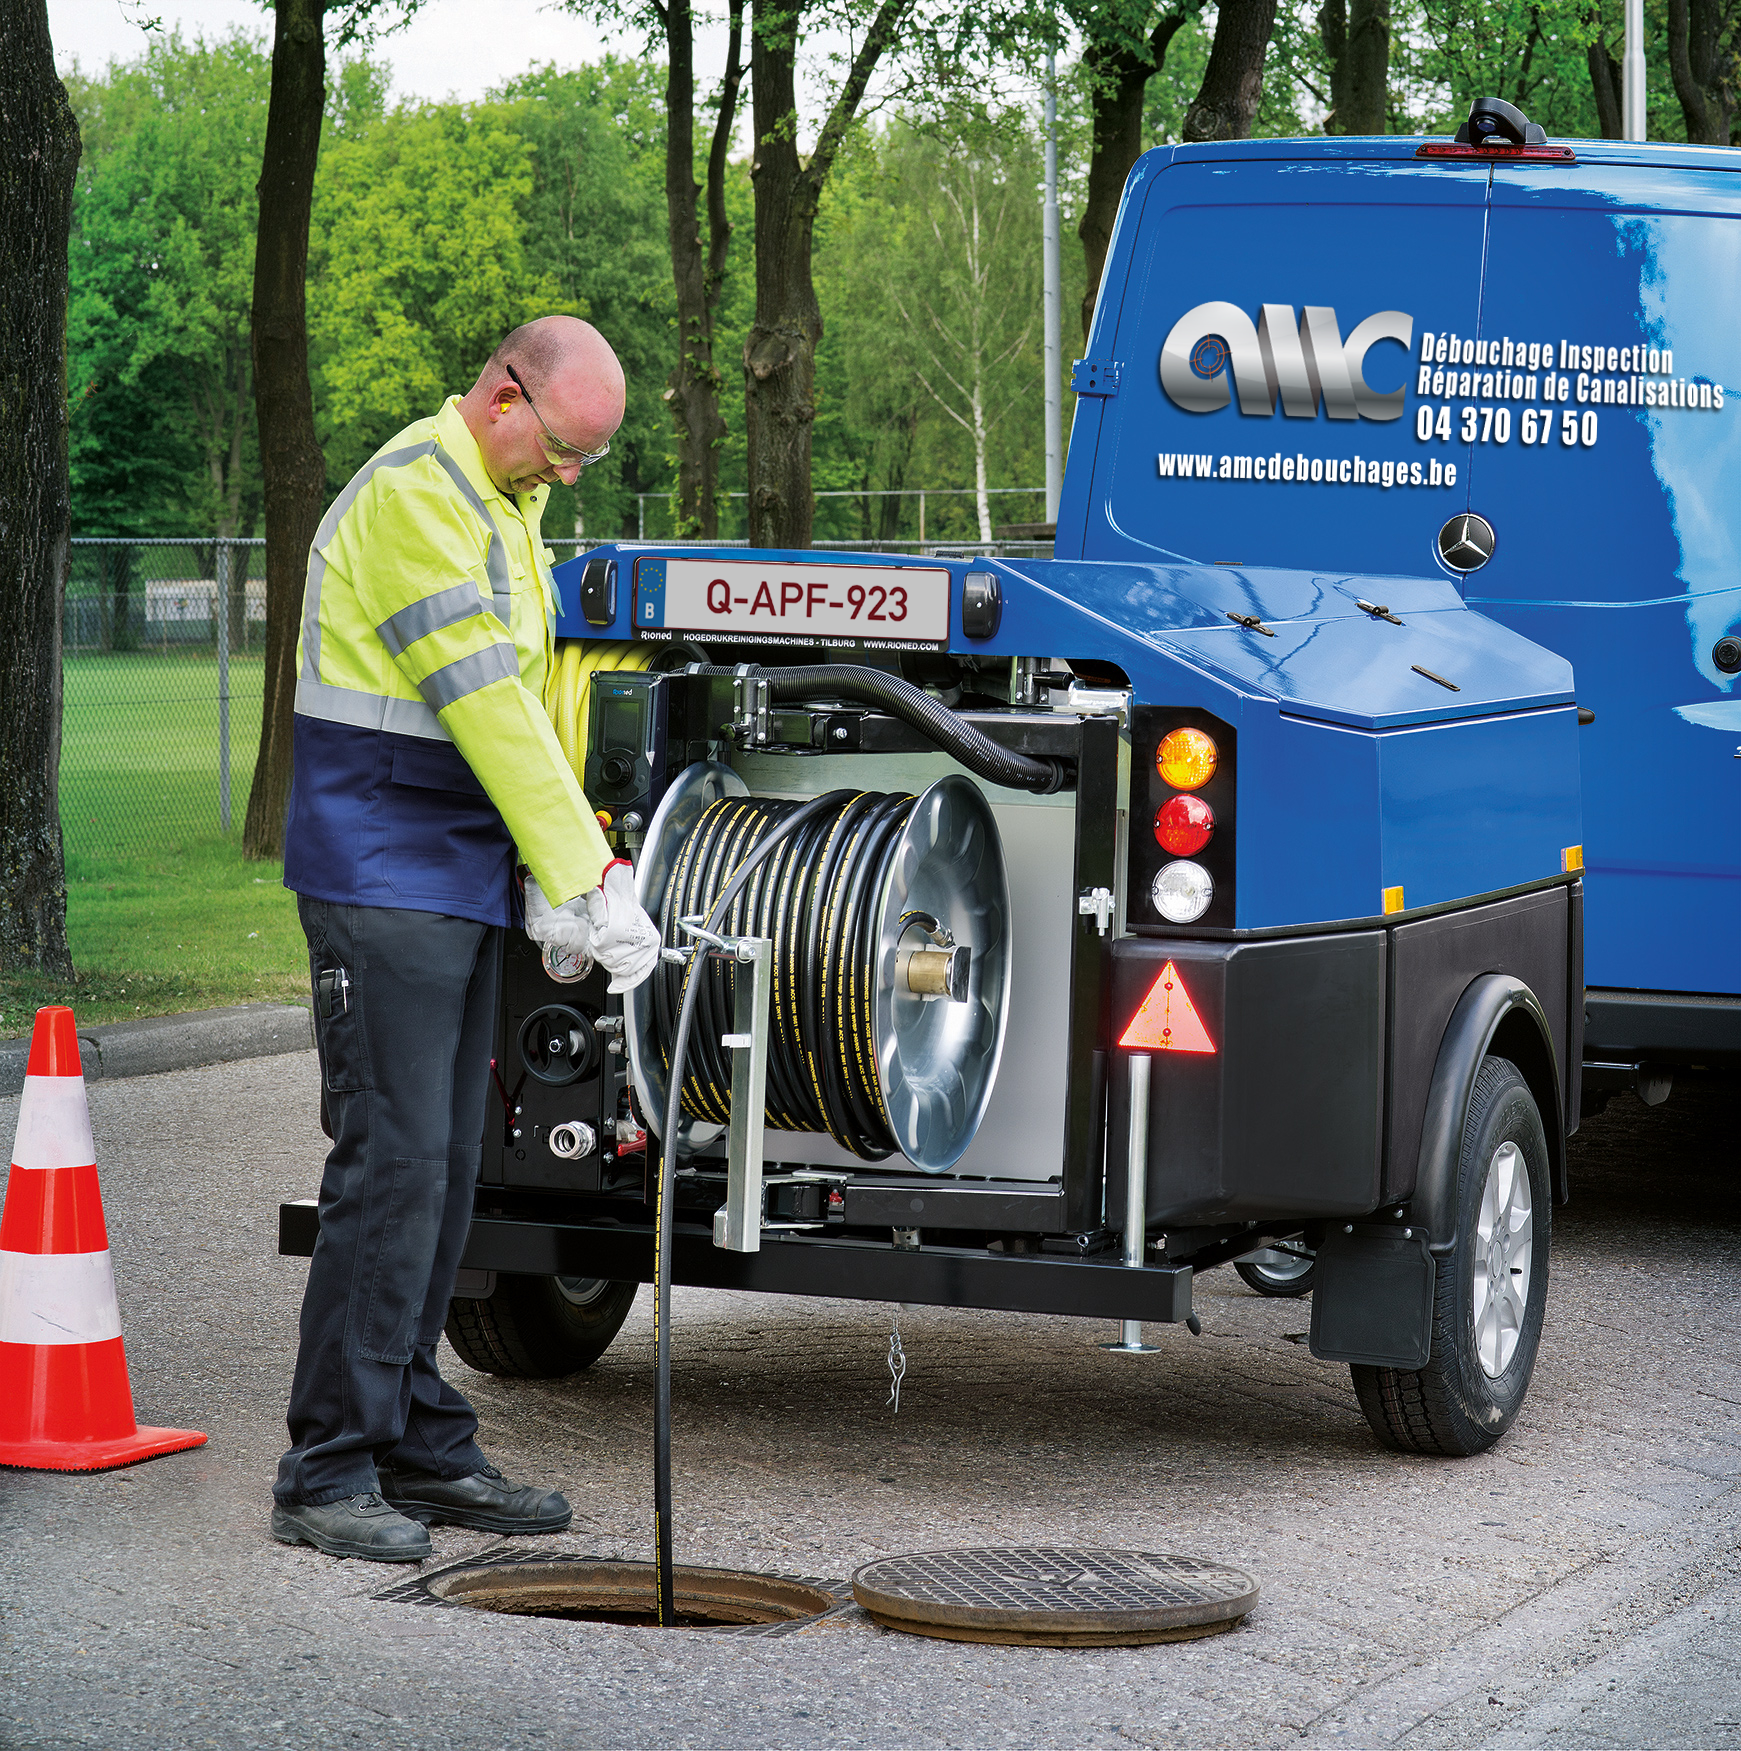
(625, 941)
(564, 933)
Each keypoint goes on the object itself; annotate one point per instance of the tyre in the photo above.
(1285, 1270)
(539, 1328)
(1490, 1288)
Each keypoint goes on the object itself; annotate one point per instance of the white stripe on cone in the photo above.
(57, 1298)
(54, 1124)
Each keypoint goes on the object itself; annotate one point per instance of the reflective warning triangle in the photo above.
(1167, 1021)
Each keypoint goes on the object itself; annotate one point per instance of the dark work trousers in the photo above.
(406, 1073)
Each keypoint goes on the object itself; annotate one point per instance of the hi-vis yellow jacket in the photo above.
(423, 752)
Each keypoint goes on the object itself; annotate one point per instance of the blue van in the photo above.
(1513, 367)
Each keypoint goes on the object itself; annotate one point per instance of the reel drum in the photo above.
(937, 1056)
(892, 949)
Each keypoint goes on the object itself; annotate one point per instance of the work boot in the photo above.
(485, 1501)
(362, 1526)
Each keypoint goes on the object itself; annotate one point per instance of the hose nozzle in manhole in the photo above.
(1054, 1596)
(608, 1590)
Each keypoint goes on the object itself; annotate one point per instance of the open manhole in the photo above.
(587, 1589)
(1054, 1596)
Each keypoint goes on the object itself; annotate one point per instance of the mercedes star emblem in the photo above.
(1466, 542)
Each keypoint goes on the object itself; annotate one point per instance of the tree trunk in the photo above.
(1702, 63)
(293, 472)
(1605, 77)
(1226, 106)
(1524, 90)
(900, 453)
(1358, 44)
(692, 392)
(1118, 79)
(981, 480)
(39, 154)
(780, 348)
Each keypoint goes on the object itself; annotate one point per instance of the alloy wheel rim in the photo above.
(1504, 1253)
(1279, 1266)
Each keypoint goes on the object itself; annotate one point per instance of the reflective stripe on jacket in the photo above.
(423, 754)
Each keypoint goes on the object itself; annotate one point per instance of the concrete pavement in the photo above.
(1574, 1588)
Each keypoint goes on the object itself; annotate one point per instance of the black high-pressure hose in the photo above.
(665, 1597)
(913, 705)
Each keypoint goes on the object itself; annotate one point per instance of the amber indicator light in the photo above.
(1186, 759)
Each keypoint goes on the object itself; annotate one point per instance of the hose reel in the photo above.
(889, 916)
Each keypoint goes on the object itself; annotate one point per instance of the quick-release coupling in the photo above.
(573, 1140)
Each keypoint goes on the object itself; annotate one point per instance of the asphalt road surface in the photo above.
(1576, 1587)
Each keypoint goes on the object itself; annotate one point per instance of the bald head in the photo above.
(569, 399)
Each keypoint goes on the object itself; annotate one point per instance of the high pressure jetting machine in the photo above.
(1040, 934)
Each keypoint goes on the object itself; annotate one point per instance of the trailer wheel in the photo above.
(1285, 1270)
(539, 1328)
(1490, 1290)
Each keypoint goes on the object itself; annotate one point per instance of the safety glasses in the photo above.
(562, 454)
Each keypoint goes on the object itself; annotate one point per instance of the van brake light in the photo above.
(1504, 154)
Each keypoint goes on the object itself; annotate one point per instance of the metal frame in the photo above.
(737, 1224)
(1100, 1287)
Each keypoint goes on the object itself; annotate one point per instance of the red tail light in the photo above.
(1184, 825)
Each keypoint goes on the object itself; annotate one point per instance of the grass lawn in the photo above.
(139, 750)
(163, 912)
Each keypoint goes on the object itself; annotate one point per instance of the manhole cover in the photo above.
(1054, 1596)
(588, 1589)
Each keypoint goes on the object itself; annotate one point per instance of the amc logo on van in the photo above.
(1303, 360)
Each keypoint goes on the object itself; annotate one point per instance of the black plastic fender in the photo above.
(1498, 1016)
(1373, 1300)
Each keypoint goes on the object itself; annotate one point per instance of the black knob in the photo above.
(616, 769)
(1726, 653)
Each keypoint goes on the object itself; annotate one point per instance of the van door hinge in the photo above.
(1096, 376)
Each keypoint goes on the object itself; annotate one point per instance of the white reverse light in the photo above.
(1182, 892)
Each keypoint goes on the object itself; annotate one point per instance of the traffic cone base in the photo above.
(65, 1403)
(78, 1409)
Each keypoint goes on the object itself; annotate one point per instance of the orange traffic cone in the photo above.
(65, 1404)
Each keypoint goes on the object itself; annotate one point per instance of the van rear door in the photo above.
(1615, 502)
(1272, 302)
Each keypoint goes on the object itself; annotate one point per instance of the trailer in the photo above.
(1213, 892)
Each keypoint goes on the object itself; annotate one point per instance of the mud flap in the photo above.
(1372, 1300)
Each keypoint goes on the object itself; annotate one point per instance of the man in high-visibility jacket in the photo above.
(423, 759)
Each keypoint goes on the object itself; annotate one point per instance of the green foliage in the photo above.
(1170, 92)
(896, 276)
(417, 267)
(593, 224)
(928, 271)
(160, 279)
(1445, 53)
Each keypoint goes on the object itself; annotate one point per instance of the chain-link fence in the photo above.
(162, 667)
(163, 664)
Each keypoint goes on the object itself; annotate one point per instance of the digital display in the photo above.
(621, 725)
